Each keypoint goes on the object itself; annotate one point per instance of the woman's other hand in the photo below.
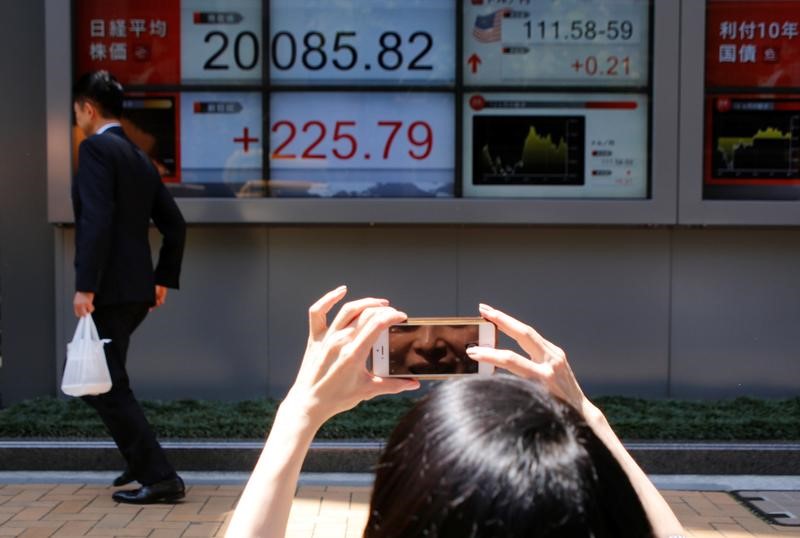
(546, 361)
(333, 376)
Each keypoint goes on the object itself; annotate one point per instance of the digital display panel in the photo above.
(344, 144)
(221, 41)
(556, 145)
(151, 42)
(556, 42)
(204, 144)
(751, 137)
(752, 147)
(380, 117)
(137, 40)
(753, 44)
(151, 122)
(222, 143)
(323, 42)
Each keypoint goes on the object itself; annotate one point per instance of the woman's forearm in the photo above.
(263, 510)
(332, 378)
(658, 511)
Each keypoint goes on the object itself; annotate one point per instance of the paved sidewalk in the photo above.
(65, 510)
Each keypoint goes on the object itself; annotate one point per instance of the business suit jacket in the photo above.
(115, 193)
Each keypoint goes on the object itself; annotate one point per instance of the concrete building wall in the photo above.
(656, 312)
(26, 239)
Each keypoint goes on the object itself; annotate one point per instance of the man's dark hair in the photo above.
(500, 457)
(102, 90)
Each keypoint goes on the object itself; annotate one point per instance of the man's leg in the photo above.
(118, 408)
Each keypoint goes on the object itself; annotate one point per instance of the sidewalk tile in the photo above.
(230, 490)
(32, 514)
(202, 529)
(71, 506)
(114, 521)
(166, 533)
(151, 513)
(731, 530)
(169, 525)
(72, 529)
(81, 516)
(66, 510)
(37, 532)
(118, 531)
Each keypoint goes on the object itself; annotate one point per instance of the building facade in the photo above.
(687, 291)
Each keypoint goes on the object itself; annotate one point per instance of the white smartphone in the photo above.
(432, 348)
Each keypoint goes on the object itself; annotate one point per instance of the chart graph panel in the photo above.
(757, 144)
(769, 151)
(529, 150)
(753, 141)
(752, 147)
(555, 145)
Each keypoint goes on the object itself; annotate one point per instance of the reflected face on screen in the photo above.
(431, 349)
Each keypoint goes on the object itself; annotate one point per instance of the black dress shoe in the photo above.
(166, 491)
(125, 478)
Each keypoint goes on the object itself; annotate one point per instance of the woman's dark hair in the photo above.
(500, 457)
(102, 90)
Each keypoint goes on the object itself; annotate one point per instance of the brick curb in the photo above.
(361, 456)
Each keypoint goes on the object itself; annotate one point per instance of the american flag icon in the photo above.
(487, 27)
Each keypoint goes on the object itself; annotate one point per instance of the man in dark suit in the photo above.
(115, 194)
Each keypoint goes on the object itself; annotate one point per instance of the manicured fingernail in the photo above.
(472, 350)
(342, 287)
(484, 307)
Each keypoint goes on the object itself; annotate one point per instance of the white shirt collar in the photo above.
(108, 126)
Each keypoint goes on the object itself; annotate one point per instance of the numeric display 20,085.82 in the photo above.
(314, 51)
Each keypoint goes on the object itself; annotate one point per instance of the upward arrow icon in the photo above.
(473, 61)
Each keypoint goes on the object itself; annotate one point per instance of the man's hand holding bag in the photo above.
(86, 372)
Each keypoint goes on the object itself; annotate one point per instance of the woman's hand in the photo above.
(548, 364)
(546, 361)
(333, 376)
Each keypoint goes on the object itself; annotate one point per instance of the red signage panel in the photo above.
(136, 40)
(753, 43)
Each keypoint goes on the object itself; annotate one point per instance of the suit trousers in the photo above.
(118, 408)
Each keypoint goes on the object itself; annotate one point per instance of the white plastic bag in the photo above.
(86, 371)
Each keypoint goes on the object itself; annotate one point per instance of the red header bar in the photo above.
(618, 105)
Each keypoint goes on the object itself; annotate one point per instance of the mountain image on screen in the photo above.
(528, 150)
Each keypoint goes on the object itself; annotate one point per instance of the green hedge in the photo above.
(742, 419)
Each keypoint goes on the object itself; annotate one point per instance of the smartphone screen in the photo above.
(432, 349)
